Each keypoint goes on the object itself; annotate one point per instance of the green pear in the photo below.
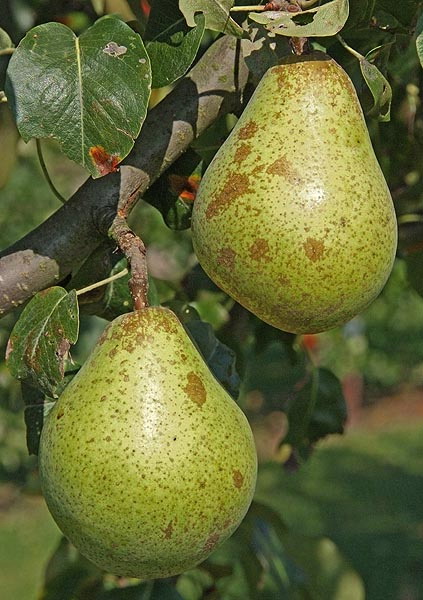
(293, 217)
(146, 463)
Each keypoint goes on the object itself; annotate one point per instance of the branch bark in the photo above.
(51, 251)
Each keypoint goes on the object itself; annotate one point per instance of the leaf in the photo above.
(360, 13)
(192, 584)
(263, 50)
(403, 11)
(69, 575)
(150, 590)
(35, 416)
(5, 41)
(419, 39)
(216, 13)
(379, 88)
(170, 43)
(38, 406)
(220, 359)
(321, 21)
(384, 20)
(414, 263)
(40, 340)
(309, 567)
(90, 93)
(317, 410)
(173, 194)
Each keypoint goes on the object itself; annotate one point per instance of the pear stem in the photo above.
(133, 248)
(7, 51)
(98, 284)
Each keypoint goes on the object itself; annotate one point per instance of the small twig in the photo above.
(252, 8)
(46, 173)
(133, 248)
(350, 50)
(409, 218)
(305, 4)
(98, 284)
(6, 51)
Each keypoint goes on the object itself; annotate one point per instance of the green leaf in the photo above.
(317, 410)
(170, 43)
(419, 39)
(309, 568)
(35, 417)
(174, 192)
(192, 584)
(216, 13)
(5, 41)
(69, 575)
(163, 590)
(360, 13)
(40, 340)
(150, 590)
(379, 88)
(388, 22)
(38, 406)
(90, 93)
(220, 359)
(403, 11)
(414, 263)
(321, 21)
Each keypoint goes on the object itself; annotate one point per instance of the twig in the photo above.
(306, 4)
(250, 8)
(46, 173)
(98, 284)
(133, 248)
(350, 50)
(6, 51)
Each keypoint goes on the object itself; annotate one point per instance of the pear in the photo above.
(293, 217)
(146, 463)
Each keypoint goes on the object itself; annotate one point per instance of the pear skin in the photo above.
(293, 218)
(146, 463)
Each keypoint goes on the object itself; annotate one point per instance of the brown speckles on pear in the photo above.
(308, 140)
(226, 258)
(168, 531)
(195, 389)
(259, 250)
(236, 185)
(211, 542)
(283, 167)
(248, 130)
(314, 249)
(242, 152)
(238, 478)
(146, 471)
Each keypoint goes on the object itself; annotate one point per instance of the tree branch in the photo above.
(51, 251)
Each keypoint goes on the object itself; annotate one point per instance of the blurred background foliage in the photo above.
(334, 517)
